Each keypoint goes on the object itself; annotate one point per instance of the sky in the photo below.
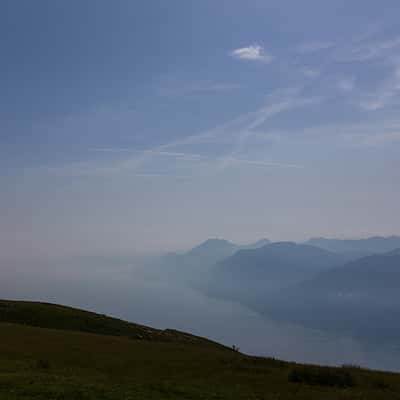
(132, 127)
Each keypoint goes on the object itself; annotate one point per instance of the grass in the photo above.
(45, 363)
(45, 315)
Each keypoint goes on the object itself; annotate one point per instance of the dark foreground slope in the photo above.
(45, 315)
(41, 363)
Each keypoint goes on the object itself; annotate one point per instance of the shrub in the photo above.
(43, 364)
(321, 376)
(351, 366)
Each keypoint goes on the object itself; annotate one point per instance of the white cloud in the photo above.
(253, 52)
(314, 46)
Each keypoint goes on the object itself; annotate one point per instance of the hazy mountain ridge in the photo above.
(249, 274)
(302, 283)
(317, 288)
(367, 246)
(194, 264)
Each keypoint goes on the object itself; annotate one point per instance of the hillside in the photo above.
(42, 363)
(45, 315)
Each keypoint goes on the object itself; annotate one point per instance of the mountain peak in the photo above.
(214, 243)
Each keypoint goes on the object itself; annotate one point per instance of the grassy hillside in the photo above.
(42, 363)
(45, 315)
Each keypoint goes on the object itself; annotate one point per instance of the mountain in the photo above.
(249, 274)
(210, 251)
(213, 250)
(394, 252)
(194, 264)
(54, 352)
(358, 247)
(362, 298)
(256, 245)
(364, 276)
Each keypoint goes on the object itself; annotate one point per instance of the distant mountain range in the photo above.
(213, 250)
(216, 250)
(368, 246)
(336, 285)
(193, 264)
(250, 274)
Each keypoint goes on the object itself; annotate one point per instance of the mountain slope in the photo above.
(45, 315)
(361, 298)
(40, 363)
(367, 275)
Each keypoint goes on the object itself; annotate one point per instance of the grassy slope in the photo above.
(41, 363)
(45, 315)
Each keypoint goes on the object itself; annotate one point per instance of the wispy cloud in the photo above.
(233, 134)
(380, 139)
(363, 133)
(346, 84)
(234, 160)
(383, 54)
(92, 169)
(386, 94)
(254, 52)
(176, 88)
(314, 46)
(310, 73)
(110, 149)
(368, 50)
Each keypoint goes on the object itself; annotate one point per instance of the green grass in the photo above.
(43, 363)
(54, 316)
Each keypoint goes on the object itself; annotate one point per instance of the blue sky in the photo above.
(138, 126)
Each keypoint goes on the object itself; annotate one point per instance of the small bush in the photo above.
(380, 384)
(43, 364)
(351, 366)
(321, 376)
